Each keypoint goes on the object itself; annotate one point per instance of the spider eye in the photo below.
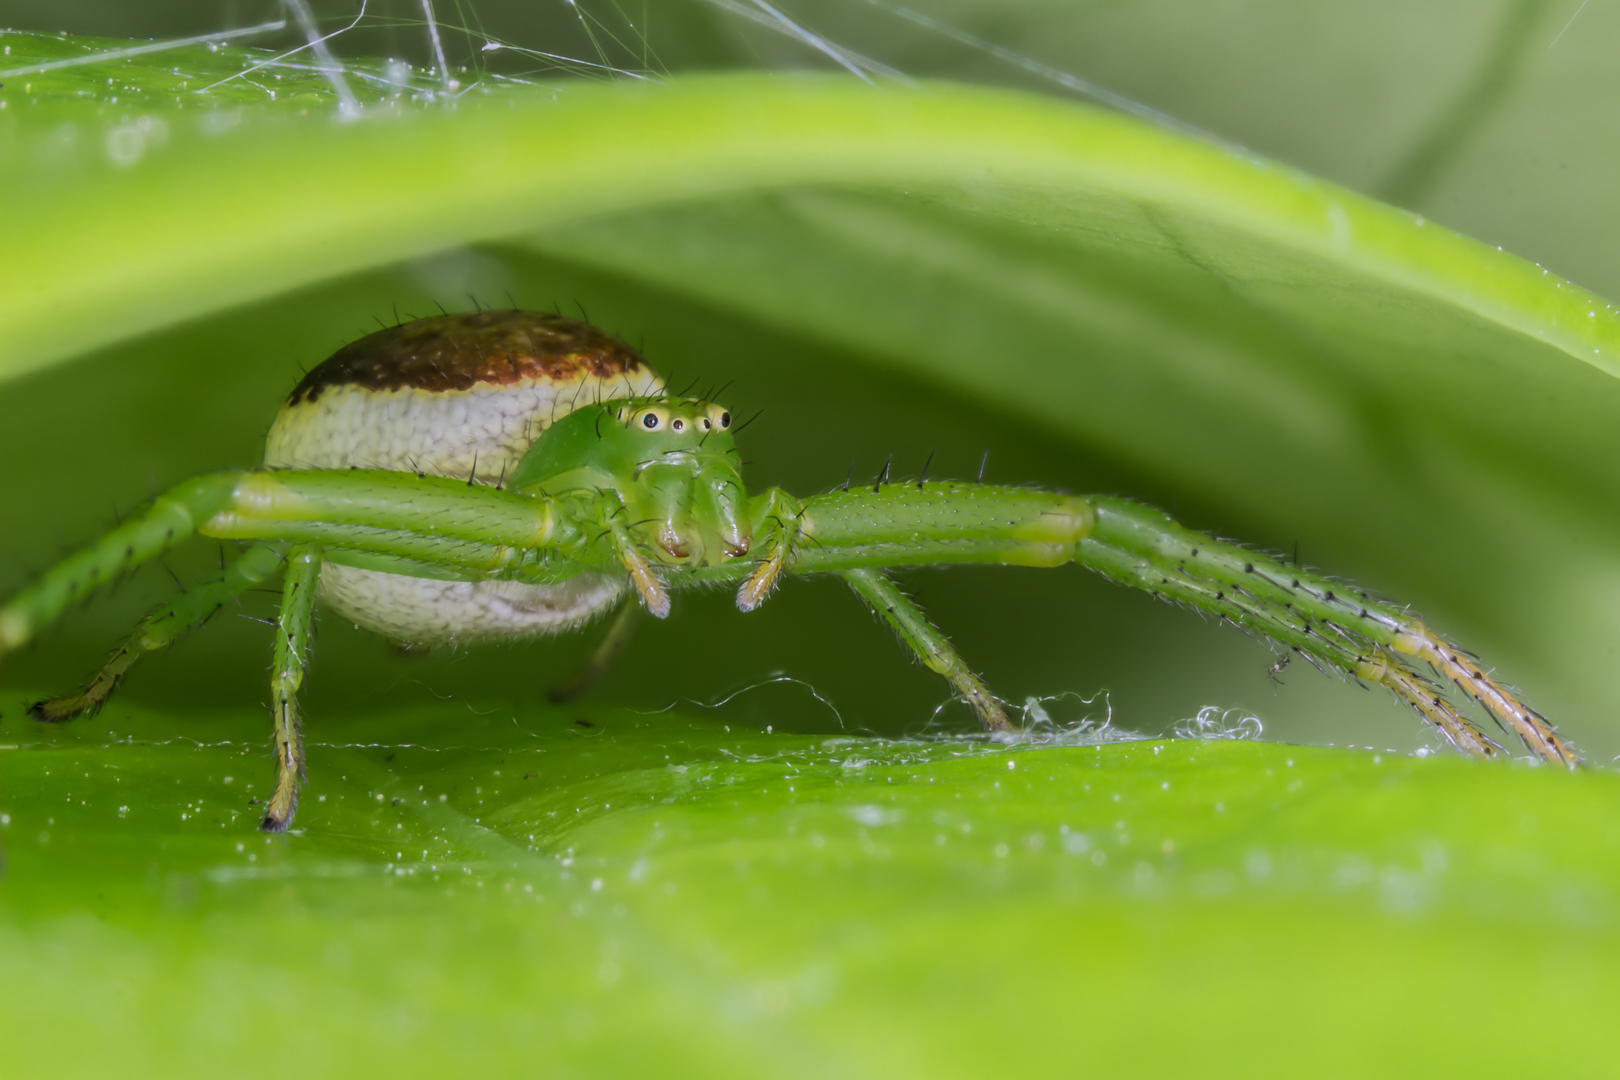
(706, 424)
(725, 420)
(678, 425)
(650, 421)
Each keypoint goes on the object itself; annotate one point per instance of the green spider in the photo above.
(503, 474)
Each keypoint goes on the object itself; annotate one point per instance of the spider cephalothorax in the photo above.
(672, 463)
(500, 474)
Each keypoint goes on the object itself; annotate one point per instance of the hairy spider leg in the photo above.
(619, 633)
(1328, 622)
(856, 533)
(946, 523)
(147, 533)
(642, 575)
(924, 639)
(778, 515)
(429, 521)
(1335, 649)
(256, 566)
(286, 678)
(1420, 694)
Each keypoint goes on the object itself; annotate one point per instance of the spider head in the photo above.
(672, 461)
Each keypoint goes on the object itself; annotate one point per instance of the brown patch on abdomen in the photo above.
(457, 352)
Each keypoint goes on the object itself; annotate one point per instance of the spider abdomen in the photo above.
(461, 395)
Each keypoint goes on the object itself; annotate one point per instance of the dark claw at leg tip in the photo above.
(36, 711)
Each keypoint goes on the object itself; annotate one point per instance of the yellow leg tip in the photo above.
(759, 585)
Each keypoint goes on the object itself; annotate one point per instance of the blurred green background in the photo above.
(1428, 453)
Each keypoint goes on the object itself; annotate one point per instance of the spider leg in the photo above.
(286, 677)
(618, 635)
(432, 520)
(780, 515)
(914, 629)
(1331, 623)
(1328, 621)
(648, 585)
(159, 629)
(160, 525)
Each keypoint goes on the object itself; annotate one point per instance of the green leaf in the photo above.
(788, 887)
(548, 895)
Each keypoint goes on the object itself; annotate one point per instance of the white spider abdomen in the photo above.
(458, 395)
